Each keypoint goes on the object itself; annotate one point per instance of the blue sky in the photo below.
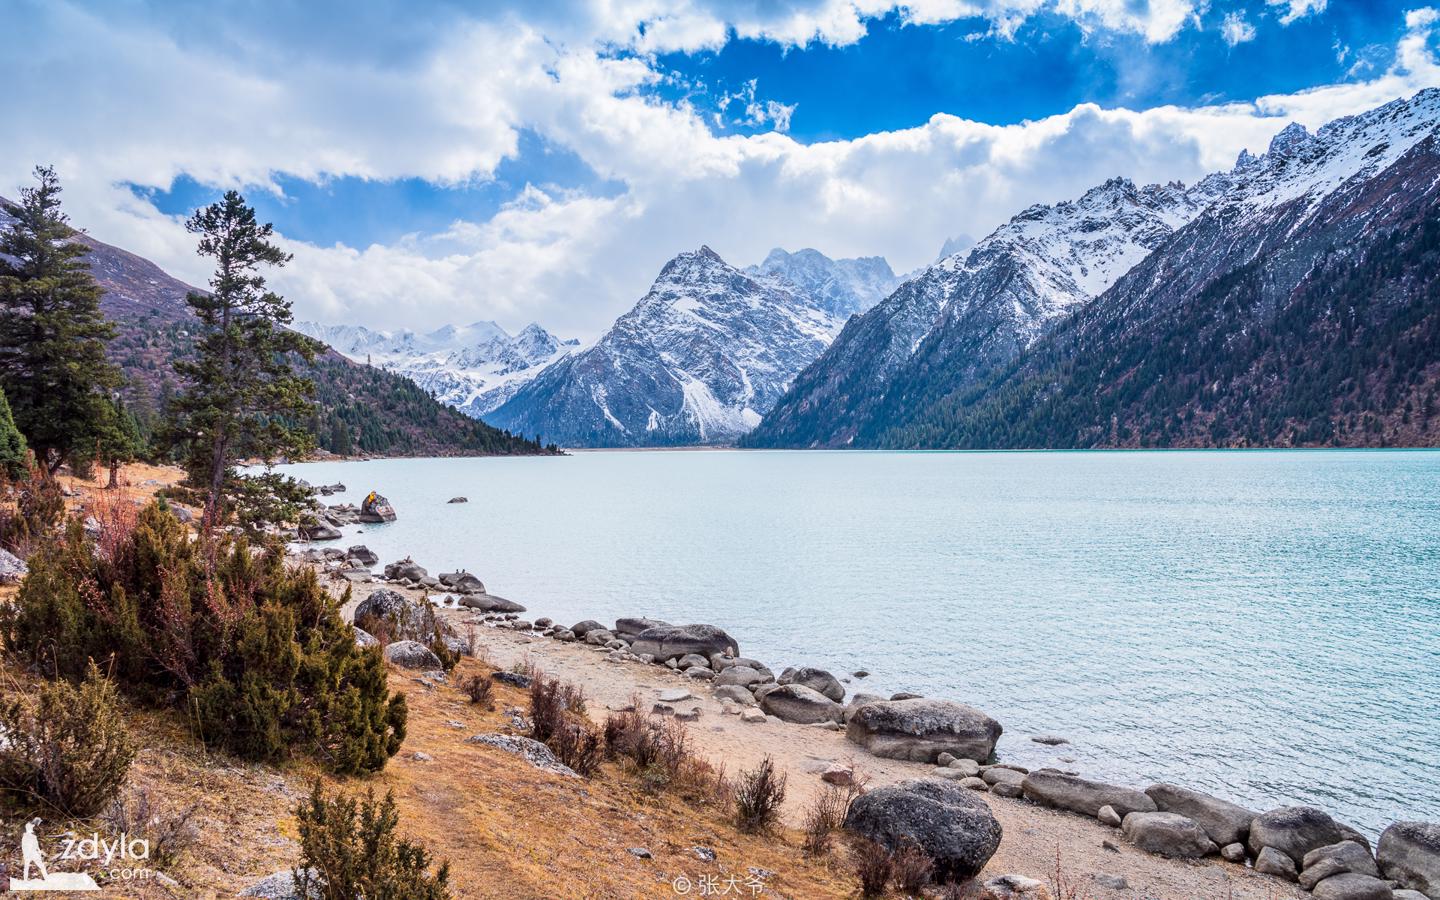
(439, 162)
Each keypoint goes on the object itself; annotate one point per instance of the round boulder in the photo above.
(1409, 855)
(953, 826)
(1353, 886)
(799, 704)
(411, 655)
(1225, 822)
(674, 641)
(1168, 834)
(744, 676)
(1336, 859)
(1295, 831)
(1054, 789)
(628, 628)
(920, 730)
(815, 679)
(580, 629)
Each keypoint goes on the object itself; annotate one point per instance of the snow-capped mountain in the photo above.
(1074, 312)
(841, 287)
(697, 361)
(984, 305)
(473, 368)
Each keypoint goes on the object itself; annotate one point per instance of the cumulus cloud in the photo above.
(1236, 30)
(1298, 9)
(142, 105)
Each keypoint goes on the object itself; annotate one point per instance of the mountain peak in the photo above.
(1290, 138)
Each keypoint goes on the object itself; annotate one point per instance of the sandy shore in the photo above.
(1088, 851)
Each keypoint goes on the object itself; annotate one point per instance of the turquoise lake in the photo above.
(1261, 625)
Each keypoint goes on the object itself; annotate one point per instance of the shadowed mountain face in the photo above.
(697, 361)
(362, 410)
(1165, 316)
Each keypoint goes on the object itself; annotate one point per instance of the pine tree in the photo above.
(12, 444)
(242, 393)
(119, 439)
(52, 333)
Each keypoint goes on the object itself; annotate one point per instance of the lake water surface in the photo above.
(1261, 625)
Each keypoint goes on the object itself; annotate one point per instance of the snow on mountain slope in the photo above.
(841, 287)
(473, 368)
(983, 305)
(698, 360)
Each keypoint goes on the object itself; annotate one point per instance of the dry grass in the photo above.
(509, 831)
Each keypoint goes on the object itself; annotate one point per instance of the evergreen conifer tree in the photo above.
(12, 444)
(52, 333)
(242, 393)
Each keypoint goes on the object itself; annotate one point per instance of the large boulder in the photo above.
(463, 582)
(1225, 822)
(815, 679)
(1409, 855)
(1168, 834)
(674, 641)
(1353, 886)
(1336, 859)
(406, 568)
(1270, 861)
(319, 531)
(362, 555)
(800, 704)
(490, 603)
(743, 676)
(408, 621)
(411, 655)
(628, 628)
(375, 508)
(948, 822)
(920, 730)
(1295, 831)
(281, 886)
(735, 693)
(583, 628)
(1084, 796)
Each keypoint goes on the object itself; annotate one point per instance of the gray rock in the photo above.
(1234, 853)
(674, 695)
(1084, 796)
(362, 555)
(744, 676)
(490, 603)
(599, 637)
(1408, 894)
(1353, 886)
(815, 679)
(320, 531)
(736, 693)
(966, 767)
(533, 752)
(1108, 816)
(406, 568)
(674, 641)
(581, 629)
(693, 659)
(411, 655)
(1006, 789)
(1048, 740)
(458, 500)
(1275, 862)
(798, 703)
(999, 775)
(1336, 859)
(1409, 855)
(700, 673)
(629, 628)
(1013, 887)
(564, 634)
(514, 679)
(640, 853)
(920, 730)
(280, 886)
(1168, 834)
(760, 691)
(752, 716)
(1113, 882)
(463, 582)
(859, 700)
(1225, 822)
(544, 622)
(839, 774)
(364, 638)
(1295, 831)
(408, 621)
(970, 782)
(945, 820)
(904, 695)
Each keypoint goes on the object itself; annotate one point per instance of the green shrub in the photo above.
(256, 653)
(67, 748)
(349, 849)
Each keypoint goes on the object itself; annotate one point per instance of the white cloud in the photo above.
(1298, 9)
(1235, 30)
(137, 104)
